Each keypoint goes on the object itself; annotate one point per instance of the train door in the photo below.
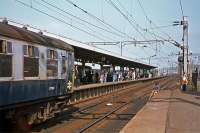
(71, 70)
(5, 59)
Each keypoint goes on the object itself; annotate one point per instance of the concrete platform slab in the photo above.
(153, 114)
(169, 111)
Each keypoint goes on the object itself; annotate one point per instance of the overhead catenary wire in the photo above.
(83, 10)
(91, 15)
(93, 31)
(144, 12)
(181, 7)
(162, 26)
(64, 21)
(130, 22)
(58, 35)
(58, 19)
(137, 26)
(113, 5)
(49, 8)
(98, 19)
(133, 19)
(125, 16)
(170, 40)
(146, 30)
(80, 19)
(147, 18)
(129, 15)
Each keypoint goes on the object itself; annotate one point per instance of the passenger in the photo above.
(129, 75)
(120, 76)
(114, 76)
(133, 75)
(117, 75)
(96, 77)
(123, 76)
(109, 77)
(184, 83)
(79, 78)
(102, 77)
(157, 86)
(105, 77)
(89, 76)
(75, 76)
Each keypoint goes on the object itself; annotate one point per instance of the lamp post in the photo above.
(184, 47)
(151, 57)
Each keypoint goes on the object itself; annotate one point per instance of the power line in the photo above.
(45, 2)
(160, 27)
(80, 19)
(113, 5)
(57, 35)
(98, 19)
(149, 22)
(145, 14)
(174, 42)
(83, 10)
(137, 24)
(130, 22)
(58, 19)
(71, 19)
(125, 16)
(69, 1)
(180, 3)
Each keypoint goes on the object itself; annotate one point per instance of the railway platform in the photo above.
(169, 111)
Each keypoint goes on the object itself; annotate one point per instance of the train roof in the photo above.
(23, 34)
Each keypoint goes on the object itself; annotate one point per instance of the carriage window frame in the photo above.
(32, 52)
(64, 61)
(52, 54)
(7, 51)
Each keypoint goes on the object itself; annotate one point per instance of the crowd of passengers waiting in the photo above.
(101, 76)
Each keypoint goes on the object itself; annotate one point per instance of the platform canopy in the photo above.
(90, 56)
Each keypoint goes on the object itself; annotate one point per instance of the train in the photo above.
(36, 75)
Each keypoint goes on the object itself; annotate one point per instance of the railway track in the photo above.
(86, 116)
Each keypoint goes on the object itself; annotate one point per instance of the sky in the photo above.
(138, 12)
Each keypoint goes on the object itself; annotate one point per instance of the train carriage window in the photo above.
(5, 58)
(64, 67)
(52, 63)
(2, 46)
(25, 50)
(9, 47)
(31, 61)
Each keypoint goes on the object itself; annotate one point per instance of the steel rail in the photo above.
(110, 113)
(101, 118)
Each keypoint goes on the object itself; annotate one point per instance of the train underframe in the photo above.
(24, 115)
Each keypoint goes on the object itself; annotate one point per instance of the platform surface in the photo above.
(169, 111)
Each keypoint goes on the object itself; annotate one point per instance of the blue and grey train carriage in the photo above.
(35, 74)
